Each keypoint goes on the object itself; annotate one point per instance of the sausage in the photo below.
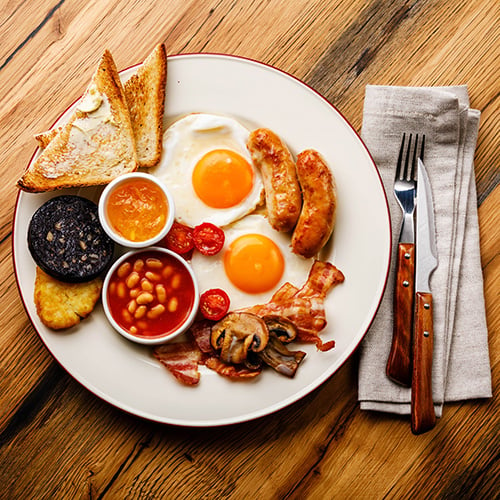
(319, 204)
(282, 190)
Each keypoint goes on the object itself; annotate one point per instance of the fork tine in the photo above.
(400, 158)
(407, 162)
(414, 162)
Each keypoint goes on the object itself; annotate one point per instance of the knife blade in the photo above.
(423, 417)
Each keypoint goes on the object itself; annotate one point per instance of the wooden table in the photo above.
(58, 440)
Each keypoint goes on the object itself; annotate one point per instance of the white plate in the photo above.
(125, 374)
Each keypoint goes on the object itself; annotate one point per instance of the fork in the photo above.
(399, 365)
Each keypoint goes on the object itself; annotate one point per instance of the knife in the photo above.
(423, 417)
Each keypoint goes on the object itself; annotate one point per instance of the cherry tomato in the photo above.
(208, 238)
(214, 304)
(179, 239)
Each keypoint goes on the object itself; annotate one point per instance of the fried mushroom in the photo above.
(237, 334)
(282, 328)
(277, 356)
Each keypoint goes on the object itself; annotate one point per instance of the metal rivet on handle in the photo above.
(426, 333)
(406, 283)
(407, 255)
(427, 306)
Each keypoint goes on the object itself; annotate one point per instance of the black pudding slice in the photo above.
(67, 241)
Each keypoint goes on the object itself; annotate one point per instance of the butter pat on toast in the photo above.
(96, 144)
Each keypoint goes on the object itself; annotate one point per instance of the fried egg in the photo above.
(254, 262)
(206, 165)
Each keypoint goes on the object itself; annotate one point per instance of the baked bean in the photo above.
(152, 276)
(132, 279)
(172, 304)
(124, 270)
(156, 311)
(146, 285)
(154, 263)
(133, 330)
(161, 293)
(145, 298)
(138, 265)
(132, 306)
(140, 312)
(127, 316)
(134, 293)
(142, 324)
(176, 281)
(121, 290)
(167, 271)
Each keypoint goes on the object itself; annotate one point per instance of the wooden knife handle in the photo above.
(399, 362)
(423, 417)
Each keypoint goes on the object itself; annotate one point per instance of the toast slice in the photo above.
(145, 94)
(95, 146)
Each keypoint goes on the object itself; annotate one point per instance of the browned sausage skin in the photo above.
(282, 190)
(319, 204)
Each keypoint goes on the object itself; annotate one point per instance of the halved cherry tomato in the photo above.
(214, 304)
(208, 238)
(179, 239)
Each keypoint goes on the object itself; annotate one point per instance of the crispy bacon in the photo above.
(181, 359)
(305, 306)
(322, 277)
(229, 370)
(286, 291)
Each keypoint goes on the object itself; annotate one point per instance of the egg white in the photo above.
(184, 143)
(209, 270)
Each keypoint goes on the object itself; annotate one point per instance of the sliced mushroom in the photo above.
(253, 362)
(278, 357)
(237, 334)
(283, 328)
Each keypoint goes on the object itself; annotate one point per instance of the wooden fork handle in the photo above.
(399, 362)
(423, 417)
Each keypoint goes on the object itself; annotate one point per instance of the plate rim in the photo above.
(270, 409)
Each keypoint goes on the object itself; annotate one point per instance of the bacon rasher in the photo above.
(181, 359)
(304, 307)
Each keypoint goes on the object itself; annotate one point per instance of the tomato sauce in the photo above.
(150, 294)
(137, 209)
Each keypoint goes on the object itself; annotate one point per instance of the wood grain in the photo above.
(399, 365)
(423, 417)
(58, 440)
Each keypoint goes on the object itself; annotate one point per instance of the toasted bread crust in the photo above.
(43, 138)
(145, 95)
(93, 157)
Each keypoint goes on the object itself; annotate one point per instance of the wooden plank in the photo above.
(57, 440)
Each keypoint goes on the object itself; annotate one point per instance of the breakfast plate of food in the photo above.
(270, 257)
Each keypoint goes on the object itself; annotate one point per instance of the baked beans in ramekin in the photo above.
(150, 296)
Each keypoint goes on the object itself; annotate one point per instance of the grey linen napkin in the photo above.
(461, 366)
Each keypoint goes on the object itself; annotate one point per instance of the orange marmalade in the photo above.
(137, 209)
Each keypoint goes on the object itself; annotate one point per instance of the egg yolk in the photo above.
(254, 263)
(222, 178)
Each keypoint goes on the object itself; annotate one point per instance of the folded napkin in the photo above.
(461, 366)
